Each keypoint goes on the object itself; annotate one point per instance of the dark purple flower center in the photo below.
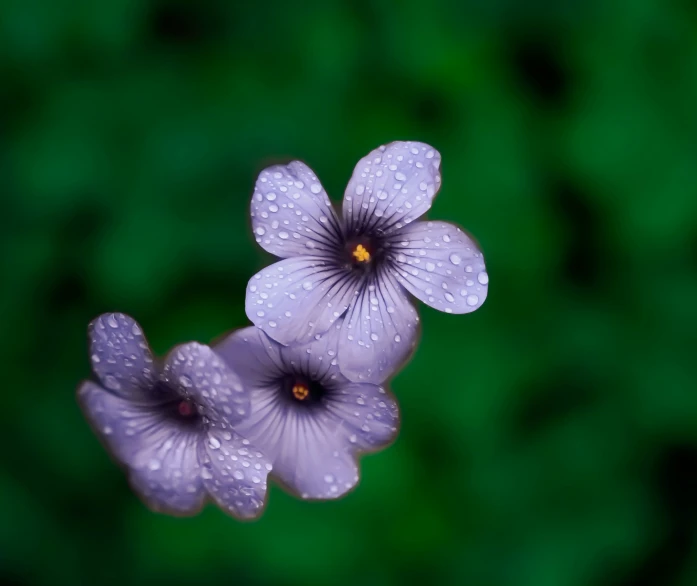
(363, 253)
(177, 409)
(183, 412)
(301, 390)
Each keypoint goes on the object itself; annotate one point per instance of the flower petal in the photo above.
(234, 473)
(441, 265)
(120, 355)
(378, 333)
(317, 359)
(291, 213)
(308, 449)
(260, 360)
(313, 447)
(369, 413)
(197, 373)
(298, 298)
(391, 186)
(252, 355)
(160, 455)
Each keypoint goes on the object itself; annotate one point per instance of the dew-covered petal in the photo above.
(161, 456)
(298, 298)
(195, 372)
(252, 355)
(258, 359)
(317, 359)
(313, 466)
(291, 213)
(441, 265)
(120, 355)
(391, 186)
(234, 473)
(307, 448)
(379, 332)
(369, 413)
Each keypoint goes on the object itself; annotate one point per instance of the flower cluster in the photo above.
(301, 394)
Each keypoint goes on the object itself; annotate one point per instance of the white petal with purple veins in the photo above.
(441, 265)
(252, 355)
(258, 358)
(298, 298)
(121, 357)
(317, 359)
(291, 213)
(391, 187)
(308, 449)
(161, 455)
(379, 332)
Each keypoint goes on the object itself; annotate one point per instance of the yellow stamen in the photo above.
(300, 392)
(361, 254)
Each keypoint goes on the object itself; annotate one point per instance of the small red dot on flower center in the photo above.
(186, 409)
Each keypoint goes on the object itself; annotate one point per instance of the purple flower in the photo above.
(364, 265)
(170, 426)
(306, 416)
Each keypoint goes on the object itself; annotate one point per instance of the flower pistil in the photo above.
(361, 254)
(300, 391)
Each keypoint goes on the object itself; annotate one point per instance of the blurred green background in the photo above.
(549, 439)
